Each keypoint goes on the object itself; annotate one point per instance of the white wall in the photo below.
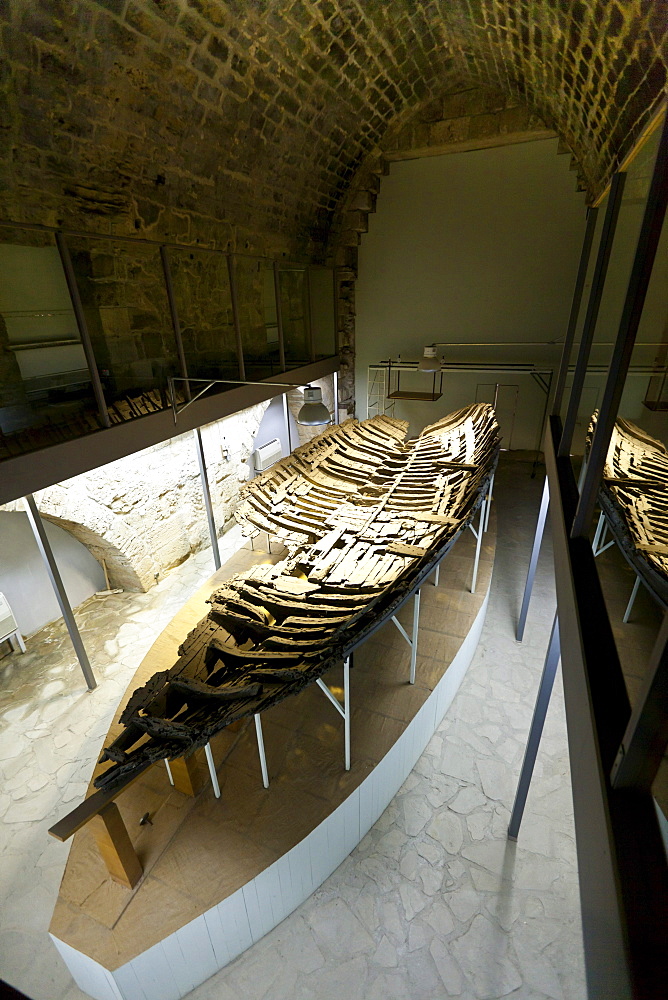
(470, 247)
(273, 426)
(23, 578)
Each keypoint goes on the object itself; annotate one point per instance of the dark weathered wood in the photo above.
(362, 513)
(95, 803)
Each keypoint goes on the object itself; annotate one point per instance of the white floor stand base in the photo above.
(175, 966)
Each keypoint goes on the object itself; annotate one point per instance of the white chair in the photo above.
(8, 627)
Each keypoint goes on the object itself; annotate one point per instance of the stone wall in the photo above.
(240, 125)
(144, 514)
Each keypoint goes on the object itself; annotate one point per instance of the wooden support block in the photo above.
(115, 846)
(186, 774)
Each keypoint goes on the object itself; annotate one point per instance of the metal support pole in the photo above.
(536, 731)
(308, 316)
(597, 533)
(174, 313)
(46, 552)
(411, 640)
(207, 497)
(592, 214)
(414, 643)
(593, 306)
(345, 711)
(336, 397)
(169, 772)
(535, 552)
(232, 274)
(437, 574)
(212, 770)
(260, 750)
(279, 317)
(286, 416)
(82, 326)
(346, 708)
(478, 536)
(629, 606)
(490, 491)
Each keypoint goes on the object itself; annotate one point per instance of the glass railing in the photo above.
(91, 328)
(46, 392)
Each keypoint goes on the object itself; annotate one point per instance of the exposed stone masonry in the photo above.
(242, 124)
(264, 126)
(144, 514)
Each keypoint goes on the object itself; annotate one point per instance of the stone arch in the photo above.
(107, 541)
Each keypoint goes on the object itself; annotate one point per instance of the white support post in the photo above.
(414, 643)
(437, 574)
(169, 772)
(490, 491)
(629, 606)
(212, 770)
(478, 537)
(346, 708)
(411, 640)
(16, 635)
(345, 711)
(597, 533)
(260, 748)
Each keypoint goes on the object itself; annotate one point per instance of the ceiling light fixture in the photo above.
(313, 412)
(429, 362)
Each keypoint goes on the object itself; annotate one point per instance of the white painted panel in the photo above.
(197, 949)
(317, 842)
(89, 975)
(300, 869)
(127, 982)
(351, 815)
(229, 929)
(255, 919)
(182, 973)
(268, 887)
(155, 974)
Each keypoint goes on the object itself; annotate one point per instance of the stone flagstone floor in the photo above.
(434, 903)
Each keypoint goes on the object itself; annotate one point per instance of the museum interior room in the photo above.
(333, 499)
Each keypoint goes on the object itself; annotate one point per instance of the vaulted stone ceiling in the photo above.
(242, 123)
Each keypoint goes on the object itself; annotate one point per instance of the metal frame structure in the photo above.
(615, 752)
(46, 552)
(412, 639)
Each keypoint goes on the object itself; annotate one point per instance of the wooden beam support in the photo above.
(186, 774)
(115, 846)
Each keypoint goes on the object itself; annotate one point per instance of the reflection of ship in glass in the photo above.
(364, 515)
(634, 498)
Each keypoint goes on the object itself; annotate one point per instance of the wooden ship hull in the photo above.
(364, 515)
(634, 498)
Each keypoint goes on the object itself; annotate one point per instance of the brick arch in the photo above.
(242, 125)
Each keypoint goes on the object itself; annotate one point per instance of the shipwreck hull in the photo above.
(634, 498)
(366, 517)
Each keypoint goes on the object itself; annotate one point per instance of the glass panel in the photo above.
(323, 319)
(630, 528)
(293, 287)
(204, 306)
(256, 302)
(586, 292)
(123, 294)
(46, 394)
